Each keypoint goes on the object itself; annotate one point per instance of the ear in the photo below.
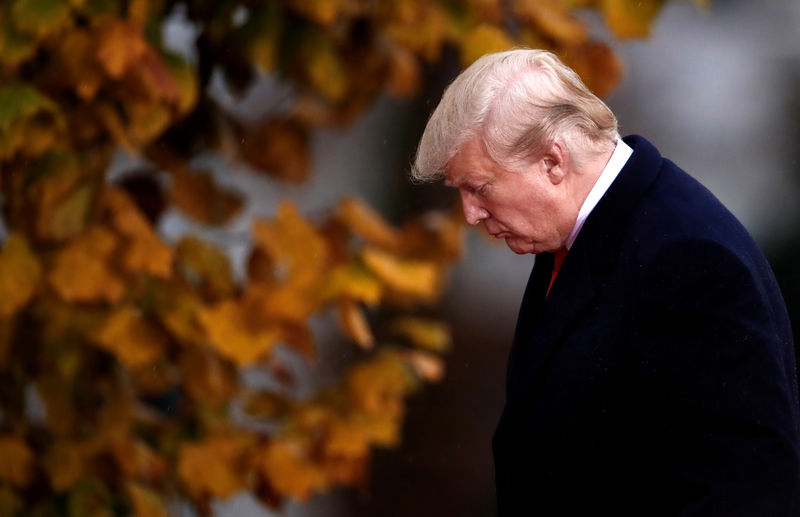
(555, 162)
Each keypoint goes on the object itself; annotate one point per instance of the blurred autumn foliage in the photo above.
(121, 355)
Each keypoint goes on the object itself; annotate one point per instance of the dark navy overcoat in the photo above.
(658, 377)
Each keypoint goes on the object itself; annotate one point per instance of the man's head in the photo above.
(521, 137)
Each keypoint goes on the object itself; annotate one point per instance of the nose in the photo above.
(473, 211)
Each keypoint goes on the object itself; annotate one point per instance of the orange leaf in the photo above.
(218, 465)
(146, 502)
(120, 47)
(354, 282)
(196, 195)
(378, 386)
(17, 465)
(128, 335)
(294, 242)
(630, 18)
(553, 18)
(207, 378)
(354, 324)
(425, 333)
(137, 460)
(483, 39)
(19, 275)
(144, 250)
(419, 26)
(365, 222)
(206, 263)
(281, 147)
(232, 331)
(597, 65)
(286, 464)
(80, 272)
(404, 77)
(77, 63)
(291, 302)
(413, 277)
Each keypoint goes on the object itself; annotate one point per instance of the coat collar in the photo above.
(542, 323)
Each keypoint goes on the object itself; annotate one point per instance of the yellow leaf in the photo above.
(128, 335)
(294, 242)
(261, 34)
(483, 39)
(232, 331)
(553, 18)
(138, 461)
(144, 251)
(325, 68)
(178, 311)
(354, 282)
(365, 222)
(81, 272)
(379, 428)
(285, 463)
(207, 378)
(207, 265)
(17, 465)
(354, 324)
(345, 439)
(630, 18)
(425, 333)
(147, 120)
(218, 465)
(418, 26)
(323, 12)
(20, 272)
(345, 451)
(291, 302)
(413, 277)
(378, 386)
(198, 196)
(146, 502)
(404, 77)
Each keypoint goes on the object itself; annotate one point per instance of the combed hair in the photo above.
(518, 102)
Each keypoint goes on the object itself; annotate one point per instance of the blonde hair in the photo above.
(518, 102)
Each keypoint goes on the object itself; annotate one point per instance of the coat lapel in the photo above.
(544, 323)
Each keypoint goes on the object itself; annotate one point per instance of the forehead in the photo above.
(471, 163)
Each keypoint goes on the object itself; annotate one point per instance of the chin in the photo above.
(523, 249)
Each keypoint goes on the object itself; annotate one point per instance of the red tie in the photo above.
(559, 259)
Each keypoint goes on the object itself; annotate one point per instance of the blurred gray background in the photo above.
(717, 91)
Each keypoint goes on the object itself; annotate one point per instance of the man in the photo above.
(652, 369)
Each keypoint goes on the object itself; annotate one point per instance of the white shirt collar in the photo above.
(618, 160)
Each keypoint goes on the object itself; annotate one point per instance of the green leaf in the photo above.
(15, 47)
(40, 17)
(18, 102)
(28, 120)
